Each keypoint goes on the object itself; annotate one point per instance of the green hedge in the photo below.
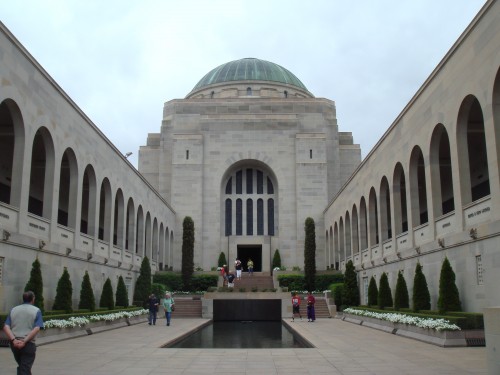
(297, 282)
(462, 319)
(173, 281)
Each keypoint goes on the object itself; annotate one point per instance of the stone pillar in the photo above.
(492, 334)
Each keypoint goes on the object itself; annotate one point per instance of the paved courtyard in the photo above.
(340, 348)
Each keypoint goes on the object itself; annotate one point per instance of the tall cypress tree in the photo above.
(35, 284)
(143, 284)
(64, 293)
(384, 293)
(401, 298)
(372, 292)
(187, 252)
(421, 296)
(276, 259)
(107, 299)
(87, 298)
(350, 291)
(222, 259)
(449, 299)
(121, 293)
(310, 254)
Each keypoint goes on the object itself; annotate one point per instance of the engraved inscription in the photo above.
(479, 212)
(4, 215)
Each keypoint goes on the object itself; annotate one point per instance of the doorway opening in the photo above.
(254, 252)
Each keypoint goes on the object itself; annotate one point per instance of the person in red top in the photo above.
(311, 315)
(295, 306)
(223, 274)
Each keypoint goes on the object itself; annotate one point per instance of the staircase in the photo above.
(255, 281)
(320, 308)
(187, 307)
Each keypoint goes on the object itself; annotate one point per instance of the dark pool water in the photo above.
(241, 335)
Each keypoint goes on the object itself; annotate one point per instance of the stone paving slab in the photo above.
(341, 348)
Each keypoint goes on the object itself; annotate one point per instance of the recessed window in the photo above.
(212, 94)
(479, 270)
(310, 154)
(286, 94)
(187, 154)
(249, 91)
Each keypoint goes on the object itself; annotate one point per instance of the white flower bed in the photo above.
(73, 322)
(437, 324)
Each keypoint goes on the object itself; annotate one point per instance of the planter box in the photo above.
(431, 336)
(50, 335)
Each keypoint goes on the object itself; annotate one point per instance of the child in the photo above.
(295, 306)
(230, 280)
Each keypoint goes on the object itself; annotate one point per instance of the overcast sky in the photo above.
(120, 60)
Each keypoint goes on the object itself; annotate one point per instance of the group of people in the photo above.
(154, 303)
(229, 277)
(310, 301)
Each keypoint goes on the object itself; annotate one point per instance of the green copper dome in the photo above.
(249, 69)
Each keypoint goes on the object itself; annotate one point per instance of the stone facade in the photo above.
(207, 138)
(430, 187)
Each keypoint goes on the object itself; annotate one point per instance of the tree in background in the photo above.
(222, 259)
(350, 291)
(107, 299)
(187, 251)
(276, 260)
(401, 298)
(121, 293)
(143, 284)
(310, 254)
(64, 293)
(87, 298)
(372, 292)
(449, 299)
(35, 284)
(384, 293)
(421, 296)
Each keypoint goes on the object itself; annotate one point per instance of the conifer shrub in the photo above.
(222, 259)
(35, 284)
(121, 293)
(372, 292)
(310, 254)
(401, 298)
(87, 298)
(449, 299)
(187, 268)
(421, 297)
(276, 259)
(64, 293)
(384, 293)
(350, 291)
(337, 294)
(158, 290)
(107, 299)
(143, 284)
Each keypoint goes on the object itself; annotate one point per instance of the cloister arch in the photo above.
(68, 188)
(418, 188)
(12, 139)
(399, 197)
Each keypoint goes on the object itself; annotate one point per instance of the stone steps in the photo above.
(187, 308)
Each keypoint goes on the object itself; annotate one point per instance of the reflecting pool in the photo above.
(248, 334)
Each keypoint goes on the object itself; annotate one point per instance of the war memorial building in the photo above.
(249, 154)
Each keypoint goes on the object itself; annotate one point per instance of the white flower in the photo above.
(81, 321)
(429, 323)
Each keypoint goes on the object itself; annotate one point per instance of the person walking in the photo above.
(238, 266)
(250, 267)
(311, 314)
(168, 305)
(223, 273)
(21, 327)
(153, 309)
(295, 306)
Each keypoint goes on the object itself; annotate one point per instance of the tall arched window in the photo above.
(89, 202)
(66, 214)
(418, 188)
(441, 172)
(254, 210)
